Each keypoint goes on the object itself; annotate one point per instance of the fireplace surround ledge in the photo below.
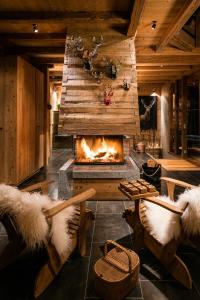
(104, 178)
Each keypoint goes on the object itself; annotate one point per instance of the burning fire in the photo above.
(100, 151)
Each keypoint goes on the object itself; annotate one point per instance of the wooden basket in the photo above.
(117, 273)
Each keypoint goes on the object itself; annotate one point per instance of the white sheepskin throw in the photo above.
(191, 216)
(165, 225)
(27, 209)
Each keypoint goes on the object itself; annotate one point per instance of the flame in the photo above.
(105, 151)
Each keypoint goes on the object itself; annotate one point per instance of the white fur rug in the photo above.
(165, 225)
(27, 208)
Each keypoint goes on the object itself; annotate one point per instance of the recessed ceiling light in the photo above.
(35, 28)
(153, 25)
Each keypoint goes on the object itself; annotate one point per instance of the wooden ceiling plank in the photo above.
(164, 68)
(31, 50)
(34, 36)
(48, 60)
(61, 17)
(158, 60)
(181, 18)
(135, 17)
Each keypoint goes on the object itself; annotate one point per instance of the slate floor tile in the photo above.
(109, 227)
(128, 204)
(164, 290)
(115, 207)
(192, 261)
(151, 268)
(70, 283)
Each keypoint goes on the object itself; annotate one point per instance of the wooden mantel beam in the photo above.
(181, 18)
(135, 17)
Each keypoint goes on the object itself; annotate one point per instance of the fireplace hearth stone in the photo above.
(104, 178)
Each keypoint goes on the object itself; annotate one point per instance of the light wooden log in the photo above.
(135, 17)
(72, 201)
(164, 204)
(178, 182)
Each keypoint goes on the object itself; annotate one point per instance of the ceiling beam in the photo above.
(135, 17)
(167, 60)
(62, 17)
(175, 68)
(149, 80)
(31, 50)
(183, 41)
(180, 19)
(34, 36)
(48, 60)
(197, 29)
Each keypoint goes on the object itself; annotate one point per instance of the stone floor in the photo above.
(76, 279)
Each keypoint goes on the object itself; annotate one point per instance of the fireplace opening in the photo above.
(92, 149)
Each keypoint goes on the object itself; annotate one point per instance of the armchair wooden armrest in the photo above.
(165, 205)
(43, 186)
(72, 201)
(171, 183)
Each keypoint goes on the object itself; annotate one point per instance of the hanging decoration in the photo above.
(108, 93)
(126, 85)
(112, 67)
(76, 47)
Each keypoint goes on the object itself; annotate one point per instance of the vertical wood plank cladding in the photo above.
(20, 101)
(8, 112)
(82, 104)
(2, 116)
(30, 123)
(10, 86)
(39, 102)
(26, 111)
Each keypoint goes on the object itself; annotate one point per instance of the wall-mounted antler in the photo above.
(108, 93)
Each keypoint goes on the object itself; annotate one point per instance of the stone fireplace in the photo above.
(99, 149)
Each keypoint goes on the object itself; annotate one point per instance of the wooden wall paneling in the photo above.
(40, 107)
(2, 120)
(82, 106)
(26, 120)
(21, 89)
(10, 119)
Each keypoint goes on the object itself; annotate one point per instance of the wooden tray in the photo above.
(139, 196)
(128, 191)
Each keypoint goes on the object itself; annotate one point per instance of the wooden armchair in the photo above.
(166, 254)
(77, 229)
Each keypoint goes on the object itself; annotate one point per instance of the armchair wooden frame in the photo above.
(77, 229)
(166, 254)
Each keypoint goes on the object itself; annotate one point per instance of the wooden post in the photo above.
(184, 152)
(47, 143)
(176, 118)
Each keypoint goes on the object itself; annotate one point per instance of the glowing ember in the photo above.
(99, 149)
